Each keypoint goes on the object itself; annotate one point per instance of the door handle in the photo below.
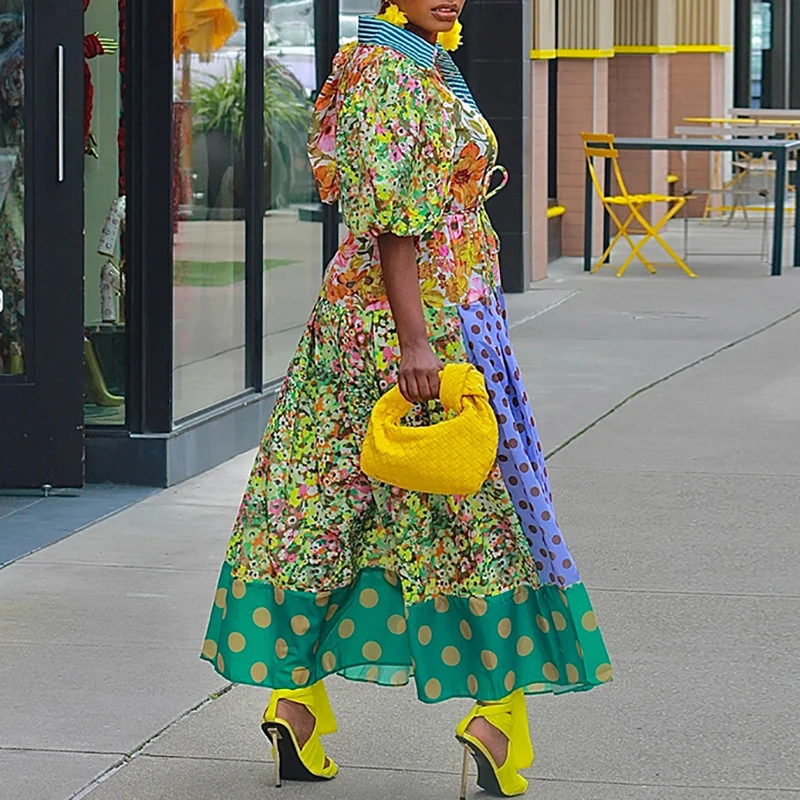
(60, 125)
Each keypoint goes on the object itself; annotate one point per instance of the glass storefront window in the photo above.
(292, 216)
(12, 187)
(104, 339)
(209, 219)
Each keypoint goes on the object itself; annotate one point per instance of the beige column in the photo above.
(585, 45)
(697, 86)
(544, 49)
(639, 80)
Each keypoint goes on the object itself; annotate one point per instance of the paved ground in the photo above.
(681, 507)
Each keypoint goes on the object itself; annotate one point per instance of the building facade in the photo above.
(161, 238)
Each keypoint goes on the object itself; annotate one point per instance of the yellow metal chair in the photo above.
(601, 145)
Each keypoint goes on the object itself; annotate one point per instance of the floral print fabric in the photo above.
(404, 156)
(317, 545)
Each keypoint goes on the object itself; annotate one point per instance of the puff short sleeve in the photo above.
(395, 142)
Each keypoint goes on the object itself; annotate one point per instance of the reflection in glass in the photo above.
(104, 340)
(293, 213)
(12, 187)
(209, 209)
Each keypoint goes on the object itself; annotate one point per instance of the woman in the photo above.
(328, 572)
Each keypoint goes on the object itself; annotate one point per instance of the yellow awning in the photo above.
(201, 26)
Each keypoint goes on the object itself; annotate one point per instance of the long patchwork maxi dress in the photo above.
(328, 572)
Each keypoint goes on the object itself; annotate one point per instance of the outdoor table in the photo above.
(780, 149)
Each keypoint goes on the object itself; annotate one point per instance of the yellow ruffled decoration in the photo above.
(394, 15)
(452, 39)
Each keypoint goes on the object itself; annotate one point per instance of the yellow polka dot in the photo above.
(589, 621)
(433, 689)
(572, 673)
(441, 604)
(466, 631)
(604, 673)
(472, 684)
(372, 674)
(315, 647)
(281, 649)
(225, 612)
(550, 671)
(451, 656)
(489, 659)
(262, 618)
(220, 597)
(368, 598)
(280, 595)
(400, 678)
(396, 624)
(579, 649)
(424, 635)
(390, 576)
(220, 662)
(509, 681)
(544, 625)
(559, 621)
(300, 625)
(535, 688)
(236, 642)
(300, 676)
(477, 605)
(371, 651)
(564, 599)
(238, 589)
(346, 628)
(328, 661)
(258, 672)
(524, 646)
(322, 598)
(210, 648)
(332, 609)
(520, 594)
(504, 628)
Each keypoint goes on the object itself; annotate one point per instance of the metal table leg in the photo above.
(797, 218)
(587, 222)
(780, 210)
(606, 215)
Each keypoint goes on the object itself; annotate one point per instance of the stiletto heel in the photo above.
(464, 774)
(274, 736)
(510, 717)
(292, 762)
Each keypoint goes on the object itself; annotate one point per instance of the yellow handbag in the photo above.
(453, 457)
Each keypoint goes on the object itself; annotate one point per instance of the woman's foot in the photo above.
(301, 720)
(493, 740)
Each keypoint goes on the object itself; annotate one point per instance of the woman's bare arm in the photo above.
(419, 365)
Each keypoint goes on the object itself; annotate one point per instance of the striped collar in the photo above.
(380, 32)
(424, 54)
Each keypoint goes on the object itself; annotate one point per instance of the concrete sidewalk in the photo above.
(681, 508)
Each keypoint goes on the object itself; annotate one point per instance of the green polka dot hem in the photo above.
(541, 640)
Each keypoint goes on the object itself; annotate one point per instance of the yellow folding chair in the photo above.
(601, 145)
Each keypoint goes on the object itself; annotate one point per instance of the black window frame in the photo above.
(148, 238)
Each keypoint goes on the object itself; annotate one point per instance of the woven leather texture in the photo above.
(453, 457)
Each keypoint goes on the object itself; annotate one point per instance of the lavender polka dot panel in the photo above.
(520, 456)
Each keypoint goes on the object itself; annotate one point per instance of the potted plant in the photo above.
(219, 120)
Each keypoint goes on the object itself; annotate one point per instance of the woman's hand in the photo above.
(419, 373)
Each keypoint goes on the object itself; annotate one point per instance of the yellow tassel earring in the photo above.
(452, 39)
(393, 15)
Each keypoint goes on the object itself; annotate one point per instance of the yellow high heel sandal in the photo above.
(510, 717)
(293, 762)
